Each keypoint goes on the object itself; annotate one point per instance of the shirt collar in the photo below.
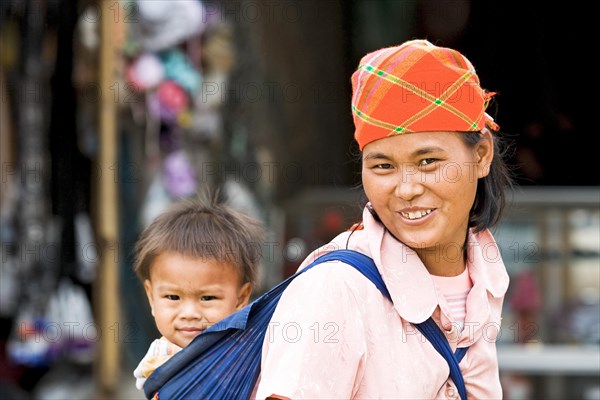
(409, 282)
(405, 276)
(486, 264)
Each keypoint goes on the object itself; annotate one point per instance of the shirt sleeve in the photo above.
(315, 344)
(481, 374)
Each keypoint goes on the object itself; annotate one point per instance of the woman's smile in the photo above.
(418, 216)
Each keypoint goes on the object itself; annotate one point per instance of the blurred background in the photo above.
(112, 110)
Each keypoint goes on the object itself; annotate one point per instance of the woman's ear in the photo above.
(484, 150)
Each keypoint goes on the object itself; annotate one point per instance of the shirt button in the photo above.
(451, 393)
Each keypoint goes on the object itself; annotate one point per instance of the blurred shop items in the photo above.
(517, 387)
(166, 24)
(66, 381)
(179, 175)
(526, 302)
(585, 239)
(585, 317)
(551, 330)
(146, 72)
(579, 320)
(177, 59)
(65, 331)
(48, 252)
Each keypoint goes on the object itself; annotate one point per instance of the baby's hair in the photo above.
(202, 227)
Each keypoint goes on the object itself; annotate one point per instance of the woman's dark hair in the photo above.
(490, 198)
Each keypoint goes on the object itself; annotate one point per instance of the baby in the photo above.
(198, 263)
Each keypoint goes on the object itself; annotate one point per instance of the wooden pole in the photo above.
(107, 292)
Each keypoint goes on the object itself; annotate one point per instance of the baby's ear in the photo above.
(148, 289)
(244, 295)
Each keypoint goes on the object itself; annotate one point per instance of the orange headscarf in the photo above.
(417, 87)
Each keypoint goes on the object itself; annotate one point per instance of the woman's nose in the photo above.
(409, 183)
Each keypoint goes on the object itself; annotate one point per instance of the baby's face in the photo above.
(187, 294)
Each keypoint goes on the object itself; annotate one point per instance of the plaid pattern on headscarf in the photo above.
(417, 87)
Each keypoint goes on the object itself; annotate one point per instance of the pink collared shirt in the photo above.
(335, 336)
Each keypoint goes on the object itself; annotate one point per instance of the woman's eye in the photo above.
(383, 166)
(173, 297)
(427, 161)
(208, 298)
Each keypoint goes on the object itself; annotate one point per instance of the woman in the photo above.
(435, 182)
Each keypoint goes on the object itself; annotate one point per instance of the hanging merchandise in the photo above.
(217, 57)
(28, 343)
(179, 175)
(70, 309)
(166, 24)
(167, 102)
(8, 283)
(35, 265)
(9, 196)
(86, 251)
(241, 198)
(178, 68)
(146, 72)
(155, 202)
(163, 65)
(66, 330)
(85, 82)
(35, 337)
(177, 181)
(50, 319)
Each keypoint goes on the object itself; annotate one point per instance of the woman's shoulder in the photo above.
(332, 278)
(329, 291)
(353, 239)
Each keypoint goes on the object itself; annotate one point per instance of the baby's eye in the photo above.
(208, 298)
(173, 297)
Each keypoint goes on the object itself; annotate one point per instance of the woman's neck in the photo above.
(443, 261)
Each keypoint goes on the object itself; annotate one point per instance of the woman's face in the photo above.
(422, 185)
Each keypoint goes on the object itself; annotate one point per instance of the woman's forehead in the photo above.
(416, 142)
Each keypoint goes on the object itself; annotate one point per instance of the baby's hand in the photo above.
(158, 353)
(165, 348)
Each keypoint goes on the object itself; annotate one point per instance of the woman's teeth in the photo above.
(416, 214)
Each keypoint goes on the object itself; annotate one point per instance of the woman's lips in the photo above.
(417, 216)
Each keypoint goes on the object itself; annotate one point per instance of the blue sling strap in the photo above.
(223, 362)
